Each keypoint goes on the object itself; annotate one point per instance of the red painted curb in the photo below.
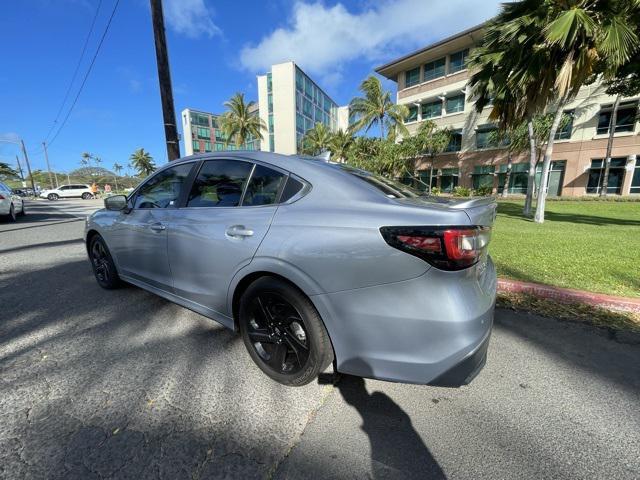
(566, 295)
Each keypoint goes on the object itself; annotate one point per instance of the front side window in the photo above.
(412, 77)
(219, 184)
(458, 61)
(434, 69)
(163, 189)
(263, 187)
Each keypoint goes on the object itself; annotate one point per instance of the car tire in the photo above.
(23, 212)
(283, 332)
(102, 263)
(11, 216)
(86, 196)
(53, 197)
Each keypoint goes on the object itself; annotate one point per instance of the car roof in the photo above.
(324, 176)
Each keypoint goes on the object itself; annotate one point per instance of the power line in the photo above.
(84, 80)
(75, 73)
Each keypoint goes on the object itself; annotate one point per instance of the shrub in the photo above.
(484, 191)
(461, 192)
(435, 191)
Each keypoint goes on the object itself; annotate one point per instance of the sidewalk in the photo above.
(566, 295)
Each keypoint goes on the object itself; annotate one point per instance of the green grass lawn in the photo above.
(592, 246)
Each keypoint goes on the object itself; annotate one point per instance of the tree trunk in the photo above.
(381, 128)
(431, 176)
(531, 179)
(607, 161)
(505, 189)
(544, 180)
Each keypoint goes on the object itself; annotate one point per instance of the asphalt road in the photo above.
(120, 384)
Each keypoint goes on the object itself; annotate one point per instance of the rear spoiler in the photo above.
(473, 202)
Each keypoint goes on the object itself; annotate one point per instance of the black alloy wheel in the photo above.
(283, 332)
(103, 267)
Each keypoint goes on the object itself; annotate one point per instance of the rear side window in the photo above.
(264, 187)
(292, 188)
(390, 188)
(219, 184)
(163, 189)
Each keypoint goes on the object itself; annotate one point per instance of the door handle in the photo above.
(239, 231)
(157, 227)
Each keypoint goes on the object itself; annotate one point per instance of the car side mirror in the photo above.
(117, 203)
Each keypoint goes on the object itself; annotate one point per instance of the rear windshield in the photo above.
(390, 188)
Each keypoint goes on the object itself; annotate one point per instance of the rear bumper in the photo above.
(430, 330)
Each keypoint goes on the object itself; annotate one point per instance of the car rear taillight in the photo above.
(448, 248)
(1, 197)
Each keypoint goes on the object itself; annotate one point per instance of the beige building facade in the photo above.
(291, 103)
(432, 83)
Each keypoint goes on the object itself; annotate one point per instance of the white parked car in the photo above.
(11, 205)
(68, 191)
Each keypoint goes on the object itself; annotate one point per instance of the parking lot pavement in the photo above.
(119, 384)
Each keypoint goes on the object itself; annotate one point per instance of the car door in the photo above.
(138, 237)
(64, 191)
(225, 217)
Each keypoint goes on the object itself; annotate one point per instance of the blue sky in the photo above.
(216, 49)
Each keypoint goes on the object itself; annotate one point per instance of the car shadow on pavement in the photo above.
(58, 243)
(395, 444)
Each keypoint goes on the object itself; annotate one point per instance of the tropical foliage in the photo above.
(536, 54)
(142, 162)
(376, 108)
(6, 172)
(240, 123)
(316, 140)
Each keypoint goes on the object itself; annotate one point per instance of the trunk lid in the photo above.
(481, 210)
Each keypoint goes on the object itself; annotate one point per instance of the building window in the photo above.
(564, 133)
(207, 146)
(635, 181)
(271, 143)
(625, 119)
(269, 83)
(434, 69)
(431, 109)
(196, 146)
(204, 132)
(454, 104)
(199, 119)
(616, 175)
(219, 135)
(483, 176)
(484, 137)
(299, 123)
(458, 61)
(270, 102)
(413, 114)
(517, 180)
(412, 77)
(449, 179)
(299, 80)
(219, 146)
(455, 141)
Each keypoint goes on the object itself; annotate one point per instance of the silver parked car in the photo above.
(11, 204)
(312, 262)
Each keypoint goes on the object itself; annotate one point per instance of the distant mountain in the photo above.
(92, 171)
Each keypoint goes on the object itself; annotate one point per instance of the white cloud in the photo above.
(191, 18)
(323, 38)
(9, 137)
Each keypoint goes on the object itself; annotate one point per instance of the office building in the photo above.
(290, 103)
(432, 83)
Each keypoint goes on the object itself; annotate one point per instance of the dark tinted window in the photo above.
(163, 189)
(264, 186)
(219, 184)
(390, 188)
(292, 187)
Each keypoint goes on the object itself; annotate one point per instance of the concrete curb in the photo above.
(566, 295)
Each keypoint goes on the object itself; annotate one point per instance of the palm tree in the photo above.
(376, 107)
(431, 141)
(117, 168)
(142, 162)
(239, 123)
(540, 54)
(339, 144)
(316, 140)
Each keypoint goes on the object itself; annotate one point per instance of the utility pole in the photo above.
(68, 179)
(20, 168)
(164, 77)
(26, 159)
(46, 157)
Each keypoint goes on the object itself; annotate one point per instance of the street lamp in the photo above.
(26, 158)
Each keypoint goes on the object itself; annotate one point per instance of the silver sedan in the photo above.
(312, 262)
